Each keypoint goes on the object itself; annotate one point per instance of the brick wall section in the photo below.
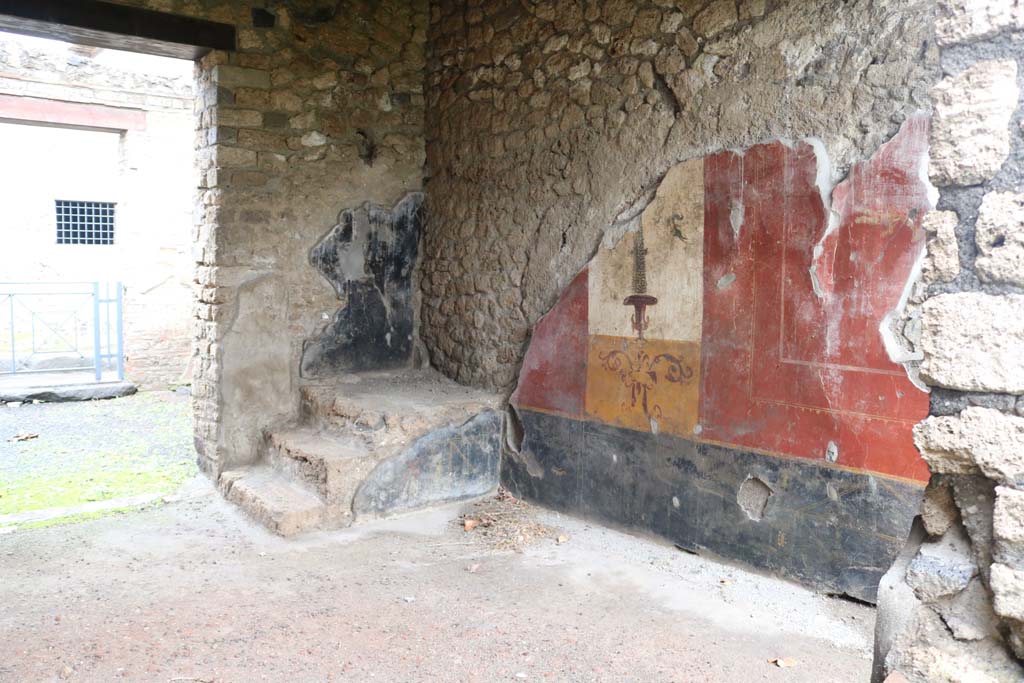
(958, 594)
(547, 120)
(321, 111)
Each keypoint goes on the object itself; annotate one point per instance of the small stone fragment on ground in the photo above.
(783, 662)
(23, 436)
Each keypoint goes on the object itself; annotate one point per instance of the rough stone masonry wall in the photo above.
(319, 109)
(547, 120)
(952, 609)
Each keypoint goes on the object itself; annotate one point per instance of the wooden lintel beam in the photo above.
(119, 27)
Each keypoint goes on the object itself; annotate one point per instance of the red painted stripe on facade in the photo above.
(31, 109)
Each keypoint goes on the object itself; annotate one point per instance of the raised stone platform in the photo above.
(371, 445)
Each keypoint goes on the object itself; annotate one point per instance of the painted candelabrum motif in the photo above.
(641, 372)
(640, 300)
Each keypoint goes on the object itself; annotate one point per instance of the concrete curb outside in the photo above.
(68, 392)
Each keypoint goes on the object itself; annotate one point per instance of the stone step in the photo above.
(391, 409)
(372, 445)
(272, 499)
(330, 464)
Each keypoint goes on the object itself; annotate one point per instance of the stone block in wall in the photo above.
(717, 17)
(1008, 590)
(751, 9)
(974, 342)
(964, 21)
(239, 118)
(975, 498)
(938, 511)
(943, 261)
(969, 614)
(925, 651)
(970, 125)
(999, 234)
(234, 157)
(942, 568)
(978, 440)
(1008, 527)
(924, 642)
(229, 76)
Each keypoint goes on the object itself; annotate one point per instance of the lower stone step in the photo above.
(272, 499)
(332, 465)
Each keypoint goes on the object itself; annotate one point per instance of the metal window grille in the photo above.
(85, 222)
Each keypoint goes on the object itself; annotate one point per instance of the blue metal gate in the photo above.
(62, 327)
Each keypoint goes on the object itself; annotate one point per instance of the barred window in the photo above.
(85, 222)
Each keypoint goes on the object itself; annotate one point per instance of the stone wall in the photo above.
(953, 606)
(550, 123)
(320, 109)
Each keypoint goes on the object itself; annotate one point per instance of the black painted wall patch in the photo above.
(368, 257)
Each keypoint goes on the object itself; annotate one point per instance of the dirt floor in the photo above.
(191, 591)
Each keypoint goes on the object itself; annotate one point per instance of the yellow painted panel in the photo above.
(643, 385)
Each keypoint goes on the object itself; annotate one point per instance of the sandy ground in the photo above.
(191, 591)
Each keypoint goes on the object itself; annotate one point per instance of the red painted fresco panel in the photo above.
(792, 370)
(554, 373)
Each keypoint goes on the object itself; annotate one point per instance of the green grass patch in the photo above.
(94, 451)
(77, 518)
(102, 476)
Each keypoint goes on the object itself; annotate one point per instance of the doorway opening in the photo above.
(97, 275)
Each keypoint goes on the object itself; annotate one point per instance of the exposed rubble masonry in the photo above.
(952, 607)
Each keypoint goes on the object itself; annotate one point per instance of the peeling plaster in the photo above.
(900, 349)
(826, 184)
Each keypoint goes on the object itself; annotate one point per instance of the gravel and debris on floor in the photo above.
(504, 522)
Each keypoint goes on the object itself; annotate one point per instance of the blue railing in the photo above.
(50, 327)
